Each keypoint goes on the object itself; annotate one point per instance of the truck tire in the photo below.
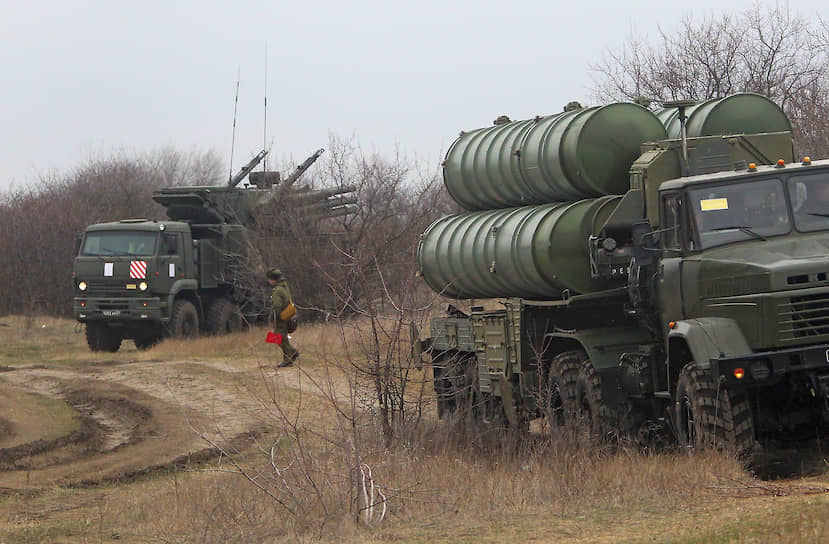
(558, 399)
(223, 316)
(147, 340)
(593, 411)
(443, 386)
(101, 337)
(455, 384)
(710, 417)
(184, 320)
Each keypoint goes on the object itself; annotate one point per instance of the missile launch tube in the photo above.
(743, 113)
(530, 252)
(568, 156)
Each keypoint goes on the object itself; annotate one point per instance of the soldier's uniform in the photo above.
(280, 299)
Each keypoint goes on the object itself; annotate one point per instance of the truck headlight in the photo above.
(142, 286)
(82, 286)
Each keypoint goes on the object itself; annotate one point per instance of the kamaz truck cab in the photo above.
(142, 279)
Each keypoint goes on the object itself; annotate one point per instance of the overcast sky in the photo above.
(86, 79)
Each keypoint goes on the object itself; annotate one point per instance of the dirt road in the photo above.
(111, 420)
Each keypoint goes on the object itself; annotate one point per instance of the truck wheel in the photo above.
(443, 385)
(146, 341)
(223, 316)
(456, 386)
(463, 379)
(559, 394)
(710, 417)
(101, 337)
(184, 320)
(593, 411)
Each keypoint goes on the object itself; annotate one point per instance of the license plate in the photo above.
(111, 313)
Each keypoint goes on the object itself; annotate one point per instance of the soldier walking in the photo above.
(280, 301)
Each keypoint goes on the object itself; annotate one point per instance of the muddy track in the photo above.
(127, 420)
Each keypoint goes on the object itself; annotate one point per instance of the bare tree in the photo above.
(361, 253)
(770, 51)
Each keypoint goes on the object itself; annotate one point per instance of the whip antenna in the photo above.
(265, 112)
(233, 136)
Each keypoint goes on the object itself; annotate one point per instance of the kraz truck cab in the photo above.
(742, 289)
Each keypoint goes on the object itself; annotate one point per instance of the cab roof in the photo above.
(139, 224)
(760, 171)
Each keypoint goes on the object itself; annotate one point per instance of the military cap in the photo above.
(274, 274)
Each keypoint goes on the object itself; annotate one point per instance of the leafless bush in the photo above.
(395, 203)
(772, 51)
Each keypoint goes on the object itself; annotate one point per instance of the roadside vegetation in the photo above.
(305, 476)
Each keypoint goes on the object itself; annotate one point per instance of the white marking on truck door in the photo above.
(108, 270)
(172, 270)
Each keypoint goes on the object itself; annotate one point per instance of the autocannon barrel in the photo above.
(321, 194)
(568, 156)
(530, 252)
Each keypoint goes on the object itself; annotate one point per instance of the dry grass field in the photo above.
(204, 442)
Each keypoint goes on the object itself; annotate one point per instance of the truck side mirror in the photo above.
(645, 242)
(77, 245)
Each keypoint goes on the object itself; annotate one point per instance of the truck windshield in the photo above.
(115, 243)
(810, 201)
(724, 214)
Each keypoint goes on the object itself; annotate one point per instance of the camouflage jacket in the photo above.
(280, 298)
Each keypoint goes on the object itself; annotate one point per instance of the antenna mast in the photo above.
(233, 137)
(265, 113)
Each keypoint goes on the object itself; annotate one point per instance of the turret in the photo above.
(229, 204)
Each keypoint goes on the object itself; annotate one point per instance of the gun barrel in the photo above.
(313, 196)
(328, 204)
(339, 211)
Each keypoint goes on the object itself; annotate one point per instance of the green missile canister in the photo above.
(743, 113)
(573, 155)
(530, 252)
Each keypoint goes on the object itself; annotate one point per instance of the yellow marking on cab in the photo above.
(711, 204)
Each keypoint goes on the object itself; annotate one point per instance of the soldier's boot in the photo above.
(288, 361)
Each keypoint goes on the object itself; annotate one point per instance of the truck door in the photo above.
(170, 261)
(668, 272)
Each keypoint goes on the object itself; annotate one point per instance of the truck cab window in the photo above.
(119, 243)
(809, 195)
(170, 244)
(671, 217)
(725, 214)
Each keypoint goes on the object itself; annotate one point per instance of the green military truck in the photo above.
(143, 280)
(651, 269)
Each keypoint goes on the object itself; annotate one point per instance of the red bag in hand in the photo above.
(273, 338)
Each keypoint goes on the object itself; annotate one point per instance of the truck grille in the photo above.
(803, 317)
(109, 288)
